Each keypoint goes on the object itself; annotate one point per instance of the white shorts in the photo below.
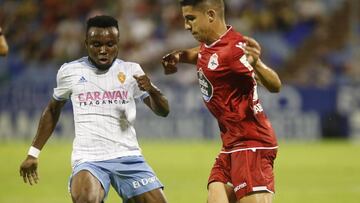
(130, 176)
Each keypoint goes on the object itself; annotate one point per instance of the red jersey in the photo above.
(228, 86)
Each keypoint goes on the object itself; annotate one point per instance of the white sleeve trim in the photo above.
(143, 96)
(58, 98)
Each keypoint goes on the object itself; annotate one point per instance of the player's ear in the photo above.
(211, 13)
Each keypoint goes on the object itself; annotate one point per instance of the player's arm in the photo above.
(264, 74)
(156, 101)
(47, 123)
(4, 48)
(267, 77)
(170, 60)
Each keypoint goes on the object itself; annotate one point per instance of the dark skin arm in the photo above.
(263, 74)
(157, 102)
(4, 49)
(47, 123)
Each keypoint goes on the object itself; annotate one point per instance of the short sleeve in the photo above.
(63, 87)
(139, 94)
(239, 62)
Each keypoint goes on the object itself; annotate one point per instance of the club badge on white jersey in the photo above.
(121, 77)
(213, 62)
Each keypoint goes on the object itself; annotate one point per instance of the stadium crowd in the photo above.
(46, 33)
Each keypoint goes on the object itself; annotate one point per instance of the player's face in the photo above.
(197, 22)
(102, 45)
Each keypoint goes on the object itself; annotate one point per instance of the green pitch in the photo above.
(305, 172)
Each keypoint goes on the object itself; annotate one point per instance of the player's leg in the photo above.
(252, 175)
(153, 196)
(89, 183)
(220, 189)
(221, 193)
(135, 181)
(86, 188)
(258, 197)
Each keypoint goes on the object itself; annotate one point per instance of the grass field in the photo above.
(317, 172)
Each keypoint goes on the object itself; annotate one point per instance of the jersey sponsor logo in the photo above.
(121, 77)
(106, 97)
(213, 62)
(82, 80)
(144, 181)
(91, 96)
(206, 87)
(240, 186)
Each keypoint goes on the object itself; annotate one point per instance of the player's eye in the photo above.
(96, 44)
(190, 18)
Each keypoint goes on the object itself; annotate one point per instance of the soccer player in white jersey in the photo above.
(102, 90)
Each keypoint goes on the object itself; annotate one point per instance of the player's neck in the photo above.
(100, 68)
(219, 30)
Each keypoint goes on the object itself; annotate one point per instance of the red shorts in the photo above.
(247, 171)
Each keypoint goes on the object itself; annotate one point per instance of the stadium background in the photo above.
(314, 45)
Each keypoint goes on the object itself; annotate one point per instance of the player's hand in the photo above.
(169, 62)
(252, 50)
(28, 170)
(143, 82)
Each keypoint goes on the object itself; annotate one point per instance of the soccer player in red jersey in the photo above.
(228, 68)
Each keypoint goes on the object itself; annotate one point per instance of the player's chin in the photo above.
(103, 66)
(198, 38)
(195, 35)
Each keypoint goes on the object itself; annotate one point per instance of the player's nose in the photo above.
(187, 26)
(102, 50)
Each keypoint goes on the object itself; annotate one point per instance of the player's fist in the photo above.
(169, 62)
(252, 50)
(143, 82)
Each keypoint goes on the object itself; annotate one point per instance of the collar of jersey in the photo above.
(98, 71)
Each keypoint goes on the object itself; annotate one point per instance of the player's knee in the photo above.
(85, 195)
(155, 196)
(257, 197)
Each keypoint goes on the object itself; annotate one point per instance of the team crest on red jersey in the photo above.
(213, 62)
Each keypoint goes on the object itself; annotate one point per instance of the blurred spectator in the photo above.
(49, 31)
(69, 41)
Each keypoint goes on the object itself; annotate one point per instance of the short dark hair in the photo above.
(197, 2)
(191, 2)
(102, 21)
(219, 5)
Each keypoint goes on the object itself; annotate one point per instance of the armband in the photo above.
(33, 151)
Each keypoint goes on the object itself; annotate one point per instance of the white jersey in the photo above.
(104, 108)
